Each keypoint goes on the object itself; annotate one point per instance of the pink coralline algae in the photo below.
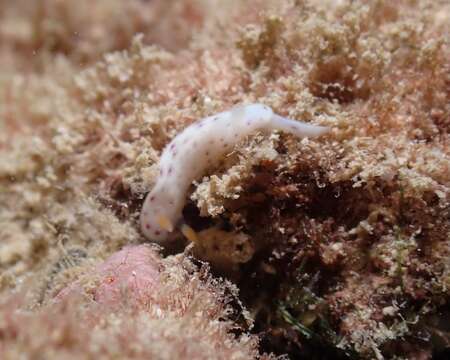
(131, 273)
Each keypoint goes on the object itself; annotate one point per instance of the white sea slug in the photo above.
(196, 148)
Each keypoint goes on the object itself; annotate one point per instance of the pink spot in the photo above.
(152, 198)
(132, 271)
(147, 226)
(172, 146)
(157, 233)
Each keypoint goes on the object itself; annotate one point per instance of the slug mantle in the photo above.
(195, 149)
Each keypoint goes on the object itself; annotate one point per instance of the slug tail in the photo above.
(297, 128)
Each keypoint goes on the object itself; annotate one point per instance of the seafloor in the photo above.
(336, 247)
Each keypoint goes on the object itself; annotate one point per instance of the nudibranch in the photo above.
(198, 147)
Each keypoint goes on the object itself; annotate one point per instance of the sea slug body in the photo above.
(191, 152)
